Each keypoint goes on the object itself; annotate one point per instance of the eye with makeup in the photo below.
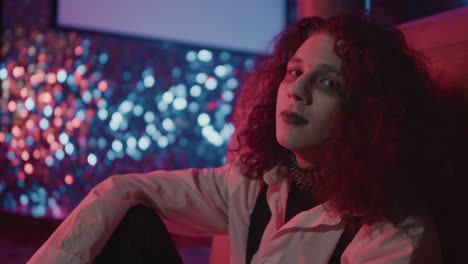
(293, 73)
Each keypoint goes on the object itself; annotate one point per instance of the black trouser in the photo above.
(141, 237)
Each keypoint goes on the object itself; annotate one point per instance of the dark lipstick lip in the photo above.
(293, 118)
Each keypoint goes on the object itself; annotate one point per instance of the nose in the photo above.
(299, 91)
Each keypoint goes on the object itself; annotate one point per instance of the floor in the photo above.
(21, 236)
(12, 252)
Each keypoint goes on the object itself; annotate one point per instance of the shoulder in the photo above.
(415, 241)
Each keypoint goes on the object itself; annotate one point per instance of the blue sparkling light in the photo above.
(81, 69)
(195, 90)
(92, 159)
(220, 71)
(80, 114)
(126, 106)
(47, 110)
(24, 200)
(162, 106)
(29, 140)
(38, 211)
(3, 74)
(151, 129)
(59, 154)
(138, 110)
(69, 148)
(168, 97)
(11, 155)
(102, 142)
(102, 114)
(201, 78)
(228, 96)
(96, 93)
(162, 142)
(49, 161)
(211, 84)
(144, 142)
(180, 90)
(51, 202)
(193, 107)
(131, 142)
(149, 117)
(203, 119)
(102, 103)
(61, 76)
(168, 124)
(149, 81)
(103, 58)
(63, 138)
(232, 83)
(71, 80)
(191, 56)
(87, 97)
(44, 124)
(29, 103)
(212, 136)
(205, 55)
(110, 155)
(117, 146)
(179, 103)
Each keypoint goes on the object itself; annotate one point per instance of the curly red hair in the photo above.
(385, 160)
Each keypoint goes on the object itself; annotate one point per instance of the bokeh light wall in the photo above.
(77, 108)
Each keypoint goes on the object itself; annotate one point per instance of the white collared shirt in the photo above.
(220, 201)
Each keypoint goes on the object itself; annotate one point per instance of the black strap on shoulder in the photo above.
(260, 217)
(346, 238)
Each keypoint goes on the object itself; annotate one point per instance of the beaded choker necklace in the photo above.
(306, 179)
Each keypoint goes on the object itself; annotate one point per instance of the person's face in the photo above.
(308, 98)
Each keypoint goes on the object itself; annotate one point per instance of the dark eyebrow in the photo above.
(329, 68)
(295, 60)
(321, 67)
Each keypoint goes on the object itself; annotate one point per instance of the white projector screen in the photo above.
(243, 25)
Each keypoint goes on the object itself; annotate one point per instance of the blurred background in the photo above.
(96, 88)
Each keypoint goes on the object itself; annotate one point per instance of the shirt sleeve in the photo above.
(384, 243)
(194, 198)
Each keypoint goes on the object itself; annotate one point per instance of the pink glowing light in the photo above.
(18, 71)
(29, 124)
(25, 155)
(69, 179)
(21, 176)
(37, 154)
(2, 137)
(103, 85)
(16, 131)
(12, 106)
(14, 144)
(58, 111)
(56, 146)
(51, 78)
(38, 77)
(79, 50)
(24, 113)
(45, 97)
(28, 168)
(76, 122)
(21, 143)
(24, 92)
(50, 138)
(58, 122)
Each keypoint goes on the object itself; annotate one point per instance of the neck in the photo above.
(303, 163)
